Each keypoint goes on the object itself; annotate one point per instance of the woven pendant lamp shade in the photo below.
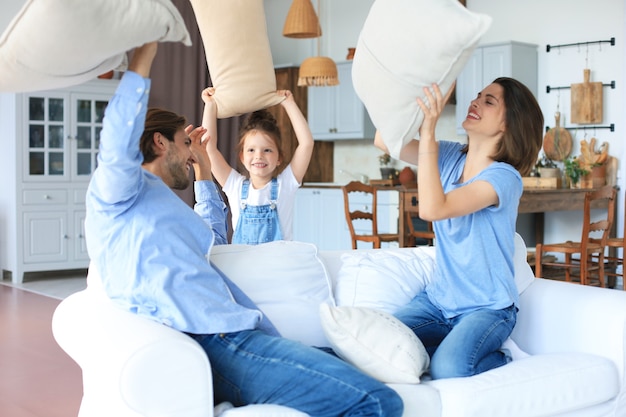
(318, 71)
(302, 21)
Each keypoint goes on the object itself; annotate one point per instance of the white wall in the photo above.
(533, 21)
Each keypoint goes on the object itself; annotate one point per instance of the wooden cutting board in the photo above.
(586, 101)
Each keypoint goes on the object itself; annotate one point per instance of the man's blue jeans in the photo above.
(251, 367)
(461, 346)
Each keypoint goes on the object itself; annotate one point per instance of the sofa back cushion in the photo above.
(388, 279)
(286, 280)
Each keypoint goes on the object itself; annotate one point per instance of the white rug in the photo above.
(53, 285)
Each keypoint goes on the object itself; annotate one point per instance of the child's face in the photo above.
(260, 154)
(486, 113)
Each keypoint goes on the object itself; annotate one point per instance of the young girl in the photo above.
(261, 204)
(471, 193)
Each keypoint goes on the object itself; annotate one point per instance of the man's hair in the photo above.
(166, 123)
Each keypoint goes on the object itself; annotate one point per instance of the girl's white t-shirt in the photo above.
(287, 187)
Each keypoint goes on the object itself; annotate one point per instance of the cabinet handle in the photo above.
(46, 197)
(66, 237)
(80, 236)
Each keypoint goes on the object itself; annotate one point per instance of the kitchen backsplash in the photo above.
(354, 158)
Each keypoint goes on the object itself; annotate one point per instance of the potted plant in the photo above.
(386, 172)
(575, 172)
(547, 168)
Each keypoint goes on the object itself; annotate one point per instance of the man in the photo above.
(151, 251)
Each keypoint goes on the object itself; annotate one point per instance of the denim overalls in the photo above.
(257, 224)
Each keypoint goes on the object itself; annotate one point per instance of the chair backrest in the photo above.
(599, 230)
(426, 234)
(362, 213)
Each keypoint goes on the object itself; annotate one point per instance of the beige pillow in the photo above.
(405, 45)
(376, 342)
(238, 54)
(58, 43)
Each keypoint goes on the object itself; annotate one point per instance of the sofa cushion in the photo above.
(238, 54)
(552, 384)
(286, 280)
(376, 342)
(404, 46)
(81, 39)
(384, 280)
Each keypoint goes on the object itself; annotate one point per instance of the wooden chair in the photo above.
(588, 254)
(615, 257)
(366, 213)
(416, 236)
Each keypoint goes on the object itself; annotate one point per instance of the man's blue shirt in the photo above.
(150, 248)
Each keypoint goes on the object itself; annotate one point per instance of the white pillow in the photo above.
(405, 45)
(237, 48)
(375, 342)
(286, 280)
(387, 280)
(524, 275)
(57, 43)
(383, 280)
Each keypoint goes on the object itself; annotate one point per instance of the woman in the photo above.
(471, 194)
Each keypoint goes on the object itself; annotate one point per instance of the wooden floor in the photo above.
(37, 379)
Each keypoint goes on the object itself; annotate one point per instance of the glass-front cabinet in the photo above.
(50, 148)
(63, 135)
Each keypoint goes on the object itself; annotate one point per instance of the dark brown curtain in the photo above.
(179, 74)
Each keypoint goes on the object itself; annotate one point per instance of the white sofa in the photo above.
(574, 337)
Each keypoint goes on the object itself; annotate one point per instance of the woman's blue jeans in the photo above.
(251, 367)
(461, 346)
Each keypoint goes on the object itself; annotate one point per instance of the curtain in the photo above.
(179, 74)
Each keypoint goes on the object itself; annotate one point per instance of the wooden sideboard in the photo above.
(535, 201)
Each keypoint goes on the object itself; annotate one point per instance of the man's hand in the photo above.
(143, 56)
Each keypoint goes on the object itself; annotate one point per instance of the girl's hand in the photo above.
(287, 94)
(207, 95)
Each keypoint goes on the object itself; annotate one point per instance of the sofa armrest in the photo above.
(558, 317)
(132, 365)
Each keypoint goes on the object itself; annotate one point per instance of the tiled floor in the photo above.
(37, 379)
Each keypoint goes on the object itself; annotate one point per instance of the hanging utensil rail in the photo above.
(611, 127)
(548, 88)
(611, 41)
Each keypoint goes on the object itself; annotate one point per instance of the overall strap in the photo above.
(274, 193)
(245, 186)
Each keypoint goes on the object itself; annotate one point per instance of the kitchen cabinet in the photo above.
(488, 62)
(336, 113)
(319, 217)
(51, 145)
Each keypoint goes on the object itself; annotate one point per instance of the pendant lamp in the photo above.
(318, 71)
(302, 21)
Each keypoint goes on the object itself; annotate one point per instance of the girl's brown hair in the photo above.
(261, 121)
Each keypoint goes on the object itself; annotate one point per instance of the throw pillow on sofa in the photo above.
(58, 43)
(404, 46)
(387, 280)
(377, 343)
(286, 280)
(384, 280)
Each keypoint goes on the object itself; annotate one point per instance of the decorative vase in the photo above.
(407, 177)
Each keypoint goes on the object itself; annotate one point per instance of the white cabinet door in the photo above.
(45, 236)
(336, 113)
(319, 218)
